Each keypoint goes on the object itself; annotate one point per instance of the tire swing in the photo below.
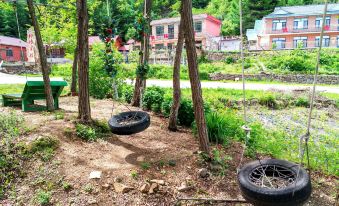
(125, 123)
(274, 182)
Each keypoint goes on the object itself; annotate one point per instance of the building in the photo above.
(12, 49)
(165, 32)
(295, 26)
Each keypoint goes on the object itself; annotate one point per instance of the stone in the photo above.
(121, 188)
(159, 182)
(144, 188)
(184, 187)
(154, 187)
(203, 173)
(105, 186)
(118, 179)
(92, 201)
(95, 175)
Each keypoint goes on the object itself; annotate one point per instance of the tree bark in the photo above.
(43, 59)
(172, 124)
(198, 102)
(140, 82)
(74, 72)
(83, 62)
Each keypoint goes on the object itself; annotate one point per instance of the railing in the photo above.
(172, 36)
(301, 30)
(292, 45)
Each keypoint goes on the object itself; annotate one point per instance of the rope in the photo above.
(305, 138)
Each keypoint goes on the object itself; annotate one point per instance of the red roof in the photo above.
(10, 41)
(212, 18)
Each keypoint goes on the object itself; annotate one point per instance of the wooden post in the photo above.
(42, 57)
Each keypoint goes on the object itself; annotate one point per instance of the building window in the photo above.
(198, 26)
(159, 30)
(278, 24)
(171, 31)
(9, 52)
(278, 43)
(338, 41)
(300, 24)
(300, 42)
(159, 46)
(319, 21)
(326, 41)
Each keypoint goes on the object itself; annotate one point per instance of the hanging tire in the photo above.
(280, 186)
(127, 123)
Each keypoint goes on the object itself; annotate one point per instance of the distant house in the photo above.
(296, 26)
(119, 45)
(165, 32)
(12, 49)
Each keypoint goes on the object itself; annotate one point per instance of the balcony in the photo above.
(289, 30)
(287, 45)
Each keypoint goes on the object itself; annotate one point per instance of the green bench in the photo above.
(34, 90)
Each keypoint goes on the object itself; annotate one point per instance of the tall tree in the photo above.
(193, 71)
(42, 55)
(140, 82)
(83, 62)
(74, 73)
(172, 124)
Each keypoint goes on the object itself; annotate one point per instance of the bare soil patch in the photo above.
(169, 156)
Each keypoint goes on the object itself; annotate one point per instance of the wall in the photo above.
(16, 53)
(300, 78)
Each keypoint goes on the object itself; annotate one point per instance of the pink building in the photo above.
(165, 32)
(296, 26)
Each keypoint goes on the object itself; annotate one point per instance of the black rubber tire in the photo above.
(140, 125)
(259, 196)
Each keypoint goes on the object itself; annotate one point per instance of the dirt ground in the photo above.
(120, 159)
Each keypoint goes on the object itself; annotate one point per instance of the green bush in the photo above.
(302, 102)
(126, 92)
(222, 127)
(44, 147)
(229, 60)
(186, 112)
(85, 132)
(153, 98)
(166, 106)
(43, 197)
(269, 101)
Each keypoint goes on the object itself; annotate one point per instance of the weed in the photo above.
(68, 132)
(145, 165)
(302, 102)
(134, 174)
(59, 115)
(88, 188)
(161, 163)
(269, 101)
(66, 186)
(85, 132)
(43, 197)
(44, 147)
(172, 163)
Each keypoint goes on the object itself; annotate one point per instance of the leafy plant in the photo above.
(66, 186)
(134, 174)
(302, 102)
(153, 98)
(145, 165)
(44, 147)
(85, 132)
(43, 197)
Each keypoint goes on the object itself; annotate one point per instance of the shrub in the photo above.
(186, 112)
(222, 127)
(126, 92)
(43, 197)
(229, 60)
(153, 98)
(302, 102)
(166, 106)
(44, 147)
(85, 132)
(269, 101)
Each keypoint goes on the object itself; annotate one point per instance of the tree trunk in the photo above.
(83, 62)
(140, 82)
(74, 72)
(198, 102)
(43, 59)
(172, 124)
